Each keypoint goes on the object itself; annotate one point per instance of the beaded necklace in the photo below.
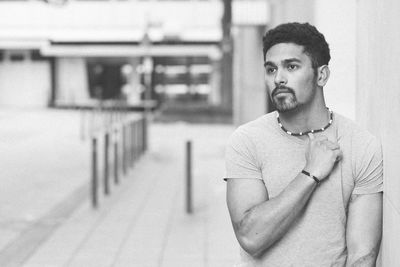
(310, 131)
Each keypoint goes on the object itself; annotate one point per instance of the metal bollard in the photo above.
(137, 140)
(144, 132)
(127, 141)
(130, 141)
(132, 126)
(106, 162)
(123, 149)
(94, 173)
(189, 208)
(134, 138)
(116, 165)
(126, 149)
(140, 137)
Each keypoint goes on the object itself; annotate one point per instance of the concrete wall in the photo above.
(291, 10)
(249, 92)
(338, 24)
(133, 81)
(378, 99)
(72, 80)
(215, 83)
(20, 86)
(365, 47)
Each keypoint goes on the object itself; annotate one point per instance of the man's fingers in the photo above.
(322, 138)
(331, 145)
(339, 155)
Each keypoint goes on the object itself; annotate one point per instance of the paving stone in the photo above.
(143, 222)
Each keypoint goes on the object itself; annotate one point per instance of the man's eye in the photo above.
(292, 67)
(270, 70)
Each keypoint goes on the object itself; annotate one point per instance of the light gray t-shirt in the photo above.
(262, 150)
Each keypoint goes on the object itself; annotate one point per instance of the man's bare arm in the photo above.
(364, 230)
(259, 222)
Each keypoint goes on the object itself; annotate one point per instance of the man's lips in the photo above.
(281, 91)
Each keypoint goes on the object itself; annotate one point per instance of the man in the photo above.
(304, 184)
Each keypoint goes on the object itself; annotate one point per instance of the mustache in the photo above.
(280, 89)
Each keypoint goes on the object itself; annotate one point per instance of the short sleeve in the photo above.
(240, 157)
(369, 168)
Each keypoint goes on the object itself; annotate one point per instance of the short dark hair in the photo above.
(304, 34)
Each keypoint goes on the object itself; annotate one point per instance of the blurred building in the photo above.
(72, 52)
(68, 52)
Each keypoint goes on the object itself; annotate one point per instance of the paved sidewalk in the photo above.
(43, 162)
(143, 222)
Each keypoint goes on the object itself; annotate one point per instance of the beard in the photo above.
(286, 102)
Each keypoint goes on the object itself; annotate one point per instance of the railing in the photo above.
(118, 140)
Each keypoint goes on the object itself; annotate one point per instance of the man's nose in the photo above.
(280, 77)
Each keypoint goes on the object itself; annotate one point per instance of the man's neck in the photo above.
(305, 118)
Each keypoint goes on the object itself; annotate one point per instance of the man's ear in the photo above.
(323, 73)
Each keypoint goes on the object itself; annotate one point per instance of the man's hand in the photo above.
(321, 156)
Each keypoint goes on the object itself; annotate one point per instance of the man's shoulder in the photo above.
(260, 123)
(256, 128)
(348, 128)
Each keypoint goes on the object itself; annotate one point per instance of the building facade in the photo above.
(75, 52)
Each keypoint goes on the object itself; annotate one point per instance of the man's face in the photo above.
(290, 78)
